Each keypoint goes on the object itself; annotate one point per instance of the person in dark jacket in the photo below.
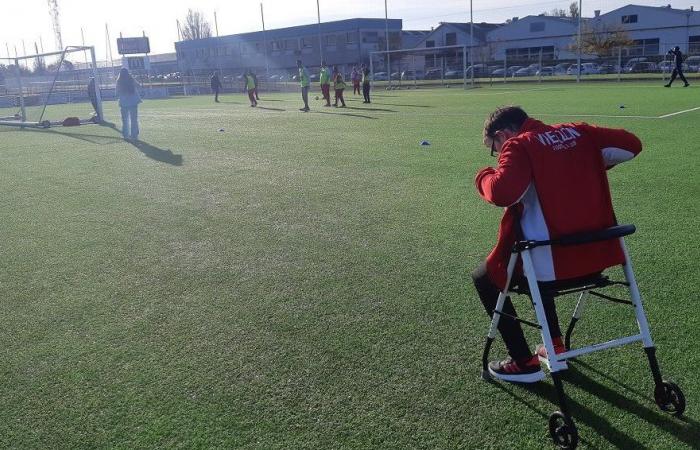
(677, 56)
(216, 85)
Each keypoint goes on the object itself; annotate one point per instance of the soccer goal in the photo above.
(50, 89)
(424, 67)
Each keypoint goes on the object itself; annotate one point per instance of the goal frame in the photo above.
(22, 120)
(468, 80)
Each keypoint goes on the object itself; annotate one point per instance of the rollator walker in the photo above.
(562, 429)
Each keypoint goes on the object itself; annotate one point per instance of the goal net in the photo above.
(423, 67)
(50, 89)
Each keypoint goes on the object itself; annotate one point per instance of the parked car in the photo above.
(524, 72)
(498, 72)
(607, 69)
(586, 69)
(668, 66)
(480, 70)
(433, 74)
(642, 67)
(512, 69)
(396, 75)
(545, 72)
(455, 74)
(561, 68)
(380, 76)
(412, 75)
(693, 63)
(313, 77)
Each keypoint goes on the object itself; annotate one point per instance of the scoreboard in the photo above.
(131, 46)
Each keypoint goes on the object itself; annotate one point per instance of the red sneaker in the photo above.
(541, 351)
(527, 371)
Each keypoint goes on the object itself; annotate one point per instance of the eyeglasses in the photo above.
(494, 152)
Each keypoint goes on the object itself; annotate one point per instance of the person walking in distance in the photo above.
(305, 84)
(129, 99)
(677, 56)
(324, 78)
(216, 85)
(338, 87)
(250, 87)
(355, 77)
(365, 84)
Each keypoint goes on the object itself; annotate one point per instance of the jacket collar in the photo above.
(531, 125)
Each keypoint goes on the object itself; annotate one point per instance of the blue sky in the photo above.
(29, 19)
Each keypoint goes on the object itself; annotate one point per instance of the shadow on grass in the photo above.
(270, 109)
(684, 429)
(371, 109)
(401, 104)
(362, 116)
(147, 149)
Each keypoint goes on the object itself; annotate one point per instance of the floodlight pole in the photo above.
(578, 72)
(320, 37)
(267, 63)
(386, 28)
(471, 43)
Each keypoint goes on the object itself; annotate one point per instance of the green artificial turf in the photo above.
(303, 280)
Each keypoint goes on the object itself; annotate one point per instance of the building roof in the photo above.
(347, 25)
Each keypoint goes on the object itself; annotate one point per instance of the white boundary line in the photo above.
(679, 112)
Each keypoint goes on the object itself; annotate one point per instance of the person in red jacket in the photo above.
(552, 181)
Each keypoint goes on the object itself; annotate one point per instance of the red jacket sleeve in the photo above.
(616, 145)
(507, 183)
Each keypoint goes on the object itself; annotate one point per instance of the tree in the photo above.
(601, 39)
(558, 12)
(573, 10)
(196, 26)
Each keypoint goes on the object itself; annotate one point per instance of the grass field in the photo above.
(302, 280)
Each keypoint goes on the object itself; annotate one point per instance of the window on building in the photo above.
(651, 46)
(694, 45)
(307, 42)
(429, 44)
(370, 37)
(351, 37)
(632, 18)
(331, 39)
(450, 38)
(291, 44)
(536, 27)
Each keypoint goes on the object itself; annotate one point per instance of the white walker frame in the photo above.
(427, 50)
(667, 395)
(22, 121)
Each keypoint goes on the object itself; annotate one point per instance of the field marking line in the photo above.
(678, 112)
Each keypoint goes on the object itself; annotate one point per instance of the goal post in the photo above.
(50, 89)
(424, 67)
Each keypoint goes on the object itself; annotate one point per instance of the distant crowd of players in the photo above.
(359, 77)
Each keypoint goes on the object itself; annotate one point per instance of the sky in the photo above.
(29, 20)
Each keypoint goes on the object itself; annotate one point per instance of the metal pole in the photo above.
(98, 96)
(82, 37)
(267, 63)
(21, 91)
(471, 38)
(578, 72)
(540, 69)
(24, 50)
(320, 39)
(619, 64)
(7, 48)
(464, 66)
(386, 31)
(216, 24)
(41, 44)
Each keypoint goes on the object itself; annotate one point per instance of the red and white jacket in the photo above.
(551, 179)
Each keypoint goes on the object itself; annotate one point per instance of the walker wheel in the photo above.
(563, 431)
(670, 398)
